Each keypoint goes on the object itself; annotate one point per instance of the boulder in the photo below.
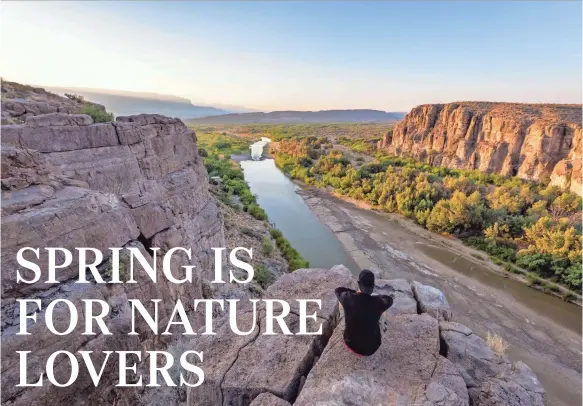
(472, 356)
(431, 300)
(519, 387)
(454, 326)
(244, 366)
(267, 399)
(402, 294)
(407, 369)
(489, 377)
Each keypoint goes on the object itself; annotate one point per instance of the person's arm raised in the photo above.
(341, 294)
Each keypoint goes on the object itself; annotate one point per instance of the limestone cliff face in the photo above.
(67, 182)
(531, 141)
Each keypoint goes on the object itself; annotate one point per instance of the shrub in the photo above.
(533, 280)
(267, 246)
(552, 287)
(511, 269)
(293, 257)
(568, 296)
(97, 114)
(263, 276)
(249, 232)
(257, 211)
(496, 261)
(75, 97)
(496, 343)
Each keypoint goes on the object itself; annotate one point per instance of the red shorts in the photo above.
(352, 351)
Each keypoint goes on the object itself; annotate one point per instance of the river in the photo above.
(542, 330)
(287, 210)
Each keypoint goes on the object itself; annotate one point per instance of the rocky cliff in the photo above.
(425, 358)
(531, 141)
(21, 101)
(139, 182)
(68, 182)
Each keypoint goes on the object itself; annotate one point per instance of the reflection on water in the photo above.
(257, 148)
(284, 207)
(563, 313)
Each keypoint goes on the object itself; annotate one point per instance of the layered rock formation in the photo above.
(67, 182)
(22, 101)
(425, 358)
(531, 141)
(139, 182)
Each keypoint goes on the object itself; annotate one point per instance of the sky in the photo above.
(296, 55)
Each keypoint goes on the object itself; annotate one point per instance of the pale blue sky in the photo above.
(301, 55)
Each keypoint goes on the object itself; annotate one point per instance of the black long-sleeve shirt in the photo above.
(362, 313)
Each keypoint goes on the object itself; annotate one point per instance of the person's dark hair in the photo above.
(366, 281)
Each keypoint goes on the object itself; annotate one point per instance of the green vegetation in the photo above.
(124, 261)
(278, 132)
(98, 114)
(295, 260)
(233, 185)
(262, 276)
(365, 145)
(267, 247)
(216, 143)
(524, 224)
(236, 192)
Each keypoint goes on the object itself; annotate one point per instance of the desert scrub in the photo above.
(293, 257)
(267, 247)
(533, 280)
(75, 97)
(263, 276)
(568, 296)
(512, 269)
(124, 260)
(97, 114)
(256, 211)
(496, 343)
(535, 226)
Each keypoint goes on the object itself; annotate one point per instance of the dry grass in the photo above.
(496, 343)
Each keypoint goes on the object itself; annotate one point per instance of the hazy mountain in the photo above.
(323, 116)
(123, 103)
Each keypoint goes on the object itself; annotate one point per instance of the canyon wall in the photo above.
(531, 141)
(68, 182)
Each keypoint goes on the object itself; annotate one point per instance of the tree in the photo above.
(457, 214)
(555, 237)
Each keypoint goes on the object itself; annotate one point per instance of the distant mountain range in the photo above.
(129, 103)
(283, 117)
(125, 103)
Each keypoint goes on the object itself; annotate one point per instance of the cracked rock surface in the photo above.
(68, 182)
(423, 359)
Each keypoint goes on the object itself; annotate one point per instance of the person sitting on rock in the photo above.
(362, 313)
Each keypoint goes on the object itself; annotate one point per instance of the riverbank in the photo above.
(529, 228)
(454, 244)
(542, 330)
